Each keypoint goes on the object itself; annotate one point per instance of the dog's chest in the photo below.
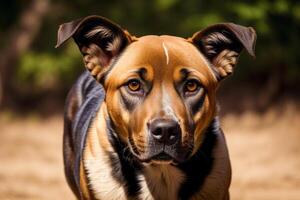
(159, 182)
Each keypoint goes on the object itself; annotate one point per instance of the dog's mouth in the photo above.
(161, 154)
(160, 158)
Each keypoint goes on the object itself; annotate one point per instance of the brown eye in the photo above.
(134, 85)
(191, 86)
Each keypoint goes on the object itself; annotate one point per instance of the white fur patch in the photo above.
(98, 169)
(100, 180)
(166, 52)
(145, 191)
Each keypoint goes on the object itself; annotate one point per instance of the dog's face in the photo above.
(161, 95)
(160, 90)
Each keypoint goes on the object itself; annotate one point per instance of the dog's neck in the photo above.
(160, 181)
(113, 171)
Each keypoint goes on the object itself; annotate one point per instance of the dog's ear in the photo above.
(221, 44)
(98, 39)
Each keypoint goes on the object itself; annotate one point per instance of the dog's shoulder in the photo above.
(82, 104)
(83, 101)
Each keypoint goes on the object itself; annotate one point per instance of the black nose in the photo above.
(165, 131)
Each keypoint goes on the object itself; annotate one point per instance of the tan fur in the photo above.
(84, 183)
(160, 182)
(114, 45)
(152, 52)
(225, 62)
(92, 62)
(96, 163)
(162, 67)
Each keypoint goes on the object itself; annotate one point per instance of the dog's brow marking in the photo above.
(166, 52)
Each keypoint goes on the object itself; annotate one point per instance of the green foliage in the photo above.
(43, 70)
(277, 23)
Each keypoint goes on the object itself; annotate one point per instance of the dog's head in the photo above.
(160, 90)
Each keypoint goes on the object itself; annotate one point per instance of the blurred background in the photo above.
(260, 110)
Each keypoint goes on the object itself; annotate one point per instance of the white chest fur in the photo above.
(159, 182)
(99, 173)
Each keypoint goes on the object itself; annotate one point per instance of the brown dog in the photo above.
(146, 126)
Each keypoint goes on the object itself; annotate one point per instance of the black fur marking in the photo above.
(129, 101)
(142, 73)
(99, 39)
(92, 95)
(125, 168)
(196, 104)
(215, 42)
(199, 166)
(129, 104)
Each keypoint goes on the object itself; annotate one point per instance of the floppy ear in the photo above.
(98, 39)
(221, 44)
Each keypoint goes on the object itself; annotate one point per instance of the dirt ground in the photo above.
(264, 149)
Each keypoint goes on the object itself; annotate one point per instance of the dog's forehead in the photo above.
(162, 54)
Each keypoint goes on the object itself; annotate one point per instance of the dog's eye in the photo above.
(134, 85)
(191, 86)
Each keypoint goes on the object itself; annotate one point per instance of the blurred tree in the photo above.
(19, 38)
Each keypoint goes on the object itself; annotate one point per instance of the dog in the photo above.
(141, 122)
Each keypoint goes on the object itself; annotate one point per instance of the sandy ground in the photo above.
(265, 154)
(264, 149)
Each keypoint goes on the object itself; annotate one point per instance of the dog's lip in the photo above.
(161, 157)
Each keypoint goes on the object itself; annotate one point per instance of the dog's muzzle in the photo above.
(164, 141)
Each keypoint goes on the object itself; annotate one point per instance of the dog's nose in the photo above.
(165, 131)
